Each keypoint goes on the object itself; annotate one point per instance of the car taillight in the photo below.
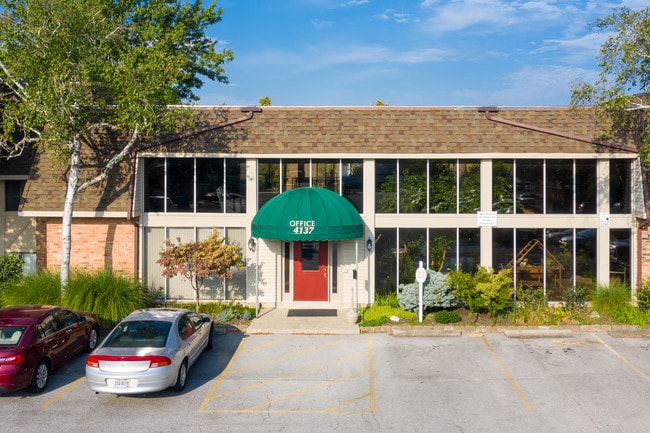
(154, 360)
(12, 359)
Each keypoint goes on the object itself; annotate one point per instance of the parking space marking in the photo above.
(296, 386)
(507, 375)
(61, 393)
(622, 358)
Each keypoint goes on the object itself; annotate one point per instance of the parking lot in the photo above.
(590, 382)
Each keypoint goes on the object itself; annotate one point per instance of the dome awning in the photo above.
(308, 214)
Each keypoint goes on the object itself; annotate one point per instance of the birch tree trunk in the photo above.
(68, 208)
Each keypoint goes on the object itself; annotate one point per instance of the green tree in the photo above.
(196, 261)
(621, 90)
(72, 70)
(264, 101)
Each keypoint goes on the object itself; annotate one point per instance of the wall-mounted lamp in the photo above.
(369, 244)
(251, 244)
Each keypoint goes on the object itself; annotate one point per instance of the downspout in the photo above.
(488, 116)
(644, 172)
(134, 157)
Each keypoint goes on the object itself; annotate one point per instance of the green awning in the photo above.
(307, 214)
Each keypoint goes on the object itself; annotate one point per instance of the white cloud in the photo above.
(321, 24)
(576, 50)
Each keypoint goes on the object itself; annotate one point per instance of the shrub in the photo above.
(107, 295)
(630, 316)
(485, 291)
(446, 316)
(389, 299)
(41, 288)
(11, 268)
(223, 312)
(607, 299)
(436, 292)
(379, 315)
(643, 297)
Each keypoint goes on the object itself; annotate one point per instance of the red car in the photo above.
(36, 339)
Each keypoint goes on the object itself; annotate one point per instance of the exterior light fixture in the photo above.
(369, 244)
(251, 244)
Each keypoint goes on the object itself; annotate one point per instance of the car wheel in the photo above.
(93, 337)
(181, 378)
(210, 335)
(40, 376)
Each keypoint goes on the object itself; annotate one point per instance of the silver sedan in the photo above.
(150, 350)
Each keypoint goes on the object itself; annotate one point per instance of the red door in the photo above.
(310, 271)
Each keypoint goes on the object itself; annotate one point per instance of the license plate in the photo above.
(120, 383)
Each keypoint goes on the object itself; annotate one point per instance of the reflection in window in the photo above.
(442, 186)
(326, 174)
(412, 250)
(619, 256)
(559, 186)
(469, 181)
(529, 186)
(619, 186)
(170, 185)
(585, 186)
(469, 249)
(295, 174)
(442, 256)
(386, 186)
(268, 180)
(385, 261)
(502, 192)
(412, 186)
(310, 257)
(352, 178)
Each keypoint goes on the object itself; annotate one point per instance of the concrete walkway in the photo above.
(277, 321)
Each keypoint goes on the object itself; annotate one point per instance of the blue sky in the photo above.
(407, 53)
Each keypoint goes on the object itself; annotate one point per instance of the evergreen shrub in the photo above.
(436, 293)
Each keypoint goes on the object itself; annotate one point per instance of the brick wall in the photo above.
(96, 244)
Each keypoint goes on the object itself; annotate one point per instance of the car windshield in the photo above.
(11, 335)
(148, 333)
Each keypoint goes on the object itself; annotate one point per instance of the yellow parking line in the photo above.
(622, 358)
(223, 374)
(505, 373)
(288, 376)
(334, 409)
(289, 355)
(61, 393)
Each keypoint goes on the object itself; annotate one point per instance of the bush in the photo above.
(436, 292)
(643, 297)
(608, 299)
(389, 300)
(11, 268)
(446, 316)
(223, 312)
(42, 288)
(107, 295)
(485, 291)
(379, 315)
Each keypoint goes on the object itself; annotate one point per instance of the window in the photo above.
(619, 186)
(544, 186)
(345, 177)
(13, 193)
(201, 185)
(454, 186)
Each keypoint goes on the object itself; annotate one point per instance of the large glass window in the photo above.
(551, 186)
(385, 261)
(559, 186)
(352, 178)
(585, 186)
(344, 177)
(545, 259)
(442, 186)
(619, 255)
(412, 186)
(412, 250)
(469, 186)
(529, 186)
(195, 185)
(386, 186)
(619, 186)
